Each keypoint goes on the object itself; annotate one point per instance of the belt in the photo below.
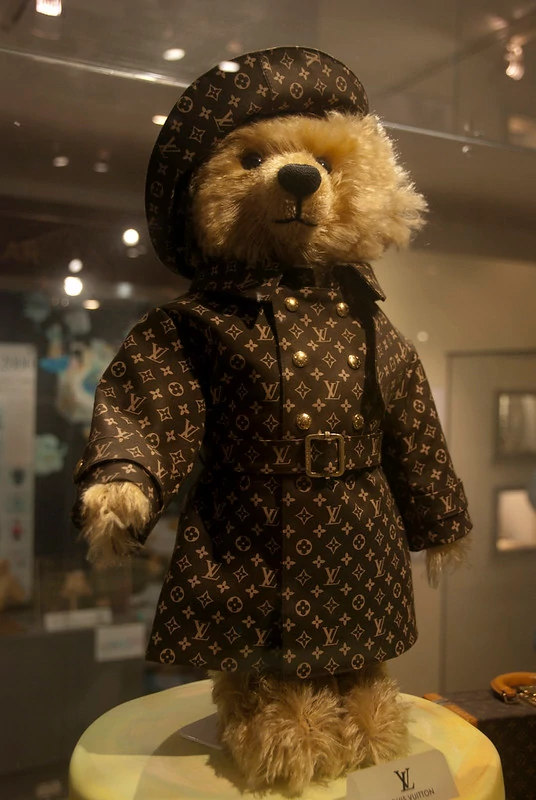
(318, 455)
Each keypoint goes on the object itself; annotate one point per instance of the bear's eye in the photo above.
(324, 163)
(251, 160)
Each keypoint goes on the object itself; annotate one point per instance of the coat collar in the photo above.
(260, 283)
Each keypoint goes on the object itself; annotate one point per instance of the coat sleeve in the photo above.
(148, 417)
(429, 495)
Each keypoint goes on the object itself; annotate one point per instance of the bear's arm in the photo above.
(148, 417)
(418, 466)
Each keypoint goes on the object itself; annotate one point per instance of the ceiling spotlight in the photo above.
(229, 66)
(72, 286)
(91, 305)
(173, 54)
(52, 8)
(423, 336)
(75, 265)
(159, 119)
(60, 161)
(514, 57)
(124, 290)
(131, 237)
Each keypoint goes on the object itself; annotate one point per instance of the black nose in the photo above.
(299, 179)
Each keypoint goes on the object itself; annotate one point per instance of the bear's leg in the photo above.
(375, 720)
(281, 731)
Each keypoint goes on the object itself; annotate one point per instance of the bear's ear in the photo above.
(389, 208)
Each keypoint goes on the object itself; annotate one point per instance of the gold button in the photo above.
(342, 309)
(358, 421)
(300, 359)
(291, 303)
(304, 421)
(354, 361)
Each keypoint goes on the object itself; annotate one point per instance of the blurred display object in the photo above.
(52, 8)
(516, 424)
(516, 520)
(11, 591)
(50, 454)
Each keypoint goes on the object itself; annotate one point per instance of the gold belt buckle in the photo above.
(330, 437)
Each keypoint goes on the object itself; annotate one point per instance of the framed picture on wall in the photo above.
(515, 518)
(516, 424)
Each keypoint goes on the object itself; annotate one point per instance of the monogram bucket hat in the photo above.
(282, 80)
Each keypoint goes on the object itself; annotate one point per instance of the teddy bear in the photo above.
(299, 418)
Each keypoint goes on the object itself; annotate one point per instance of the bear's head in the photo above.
(282, 162)
(304, 190)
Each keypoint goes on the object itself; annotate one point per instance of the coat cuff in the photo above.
(437, 518)
(130, 459)
(112, 471)
(444, 531)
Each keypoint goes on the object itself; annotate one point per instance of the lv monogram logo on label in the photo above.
(403, 775)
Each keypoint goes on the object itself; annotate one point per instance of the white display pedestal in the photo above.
(134, 752)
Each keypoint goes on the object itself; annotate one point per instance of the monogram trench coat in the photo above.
(322, 463)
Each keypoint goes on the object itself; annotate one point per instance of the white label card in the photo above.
(412, 778)
(117, 642)
(55, 621)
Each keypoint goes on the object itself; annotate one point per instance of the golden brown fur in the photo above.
(294, 731)
(364, 205)
(112, 512)
(446, 558)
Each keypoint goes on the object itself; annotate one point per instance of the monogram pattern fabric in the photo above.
(283, 80)
(296, 567)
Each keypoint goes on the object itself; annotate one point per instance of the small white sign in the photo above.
(413, 778)
(117, 642)
(55, 621)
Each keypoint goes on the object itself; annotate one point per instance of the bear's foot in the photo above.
(375, 720)
(280, 731)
